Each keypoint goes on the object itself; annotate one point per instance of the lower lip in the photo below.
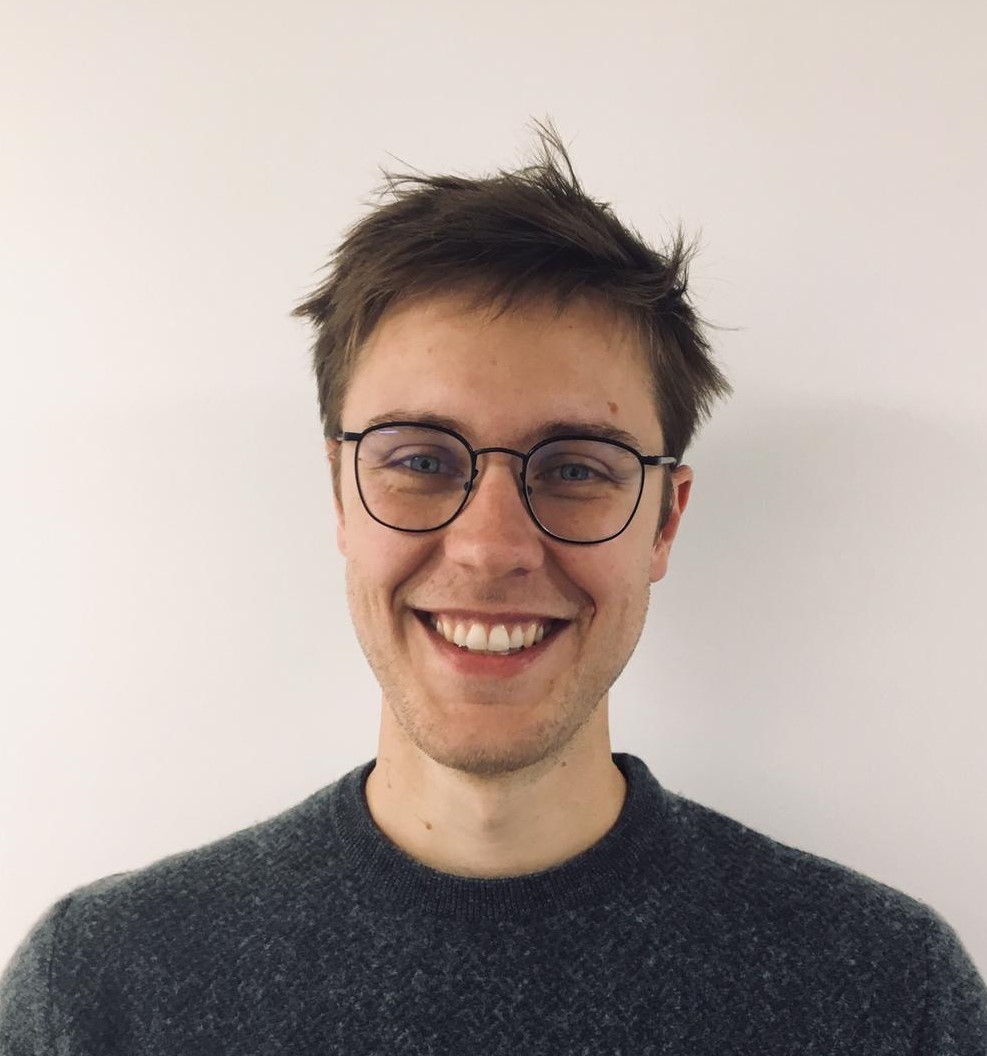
(489, 665)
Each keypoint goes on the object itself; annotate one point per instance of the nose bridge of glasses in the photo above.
(514, 471)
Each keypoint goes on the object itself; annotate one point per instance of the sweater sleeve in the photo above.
(25, 1020)
(955, 1021)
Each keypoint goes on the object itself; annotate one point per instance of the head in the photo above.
(503, 304)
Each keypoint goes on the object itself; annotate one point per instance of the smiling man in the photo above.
(495, 642)
(508, 379)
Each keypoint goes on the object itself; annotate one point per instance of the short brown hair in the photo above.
(508, 238)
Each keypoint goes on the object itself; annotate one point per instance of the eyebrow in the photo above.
(557, 427)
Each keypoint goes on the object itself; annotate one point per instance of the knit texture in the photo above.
(680, 932)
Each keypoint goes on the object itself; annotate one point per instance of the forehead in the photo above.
(504, 375)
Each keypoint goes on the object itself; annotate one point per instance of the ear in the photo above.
(682, 477)
(332, 454)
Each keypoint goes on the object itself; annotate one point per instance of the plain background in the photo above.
(178, 658)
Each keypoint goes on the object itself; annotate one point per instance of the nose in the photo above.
(494, 533)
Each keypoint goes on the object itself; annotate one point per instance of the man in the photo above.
(508, 381)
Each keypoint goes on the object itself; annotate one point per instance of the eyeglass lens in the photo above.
(415, 478)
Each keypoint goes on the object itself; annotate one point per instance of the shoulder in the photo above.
(119, 936)
(195, 892)
(782, 891)
(843, 931)
(798, 927)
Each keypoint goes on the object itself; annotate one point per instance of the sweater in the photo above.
(681, 932)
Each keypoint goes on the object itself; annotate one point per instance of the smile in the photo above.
(495, 642)
(491, 637)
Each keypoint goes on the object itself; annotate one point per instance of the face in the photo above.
(500, 381)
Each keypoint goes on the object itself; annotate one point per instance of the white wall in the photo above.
(178, 660)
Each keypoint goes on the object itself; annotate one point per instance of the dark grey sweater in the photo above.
(680, 932)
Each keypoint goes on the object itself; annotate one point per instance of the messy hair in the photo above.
(506, 239)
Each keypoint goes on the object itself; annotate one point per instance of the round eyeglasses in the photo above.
(578, 489)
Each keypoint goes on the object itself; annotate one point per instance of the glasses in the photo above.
(577, 489)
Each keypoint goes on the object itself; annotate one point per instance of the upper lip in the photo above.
(482, 616)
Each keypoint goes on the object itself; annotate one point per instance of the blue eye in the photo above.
(436, 462)
(422, 463)
(581, 472)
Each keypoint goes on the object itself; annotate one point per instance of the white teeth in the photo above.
(477, 638)
(498, 639)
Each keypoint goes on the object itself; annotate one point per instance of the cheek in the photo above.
(380, 561)
(620, 568)
(606, 589)
(620, 589)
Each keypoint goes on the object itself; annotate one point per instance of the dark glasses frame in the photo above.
(468, 489)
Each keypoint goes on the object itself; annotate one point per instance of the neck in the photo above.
(501, 824)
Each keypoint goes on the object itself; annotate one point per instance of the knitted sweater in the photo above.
(681, 932)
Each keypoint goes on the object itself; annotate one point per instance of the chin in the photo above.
(486, 741)
(487, 759)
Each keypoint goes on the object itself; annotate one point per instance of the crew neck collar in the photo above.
(383, 873)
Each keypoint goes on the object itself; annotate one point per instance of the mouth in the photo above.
(504, 641)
